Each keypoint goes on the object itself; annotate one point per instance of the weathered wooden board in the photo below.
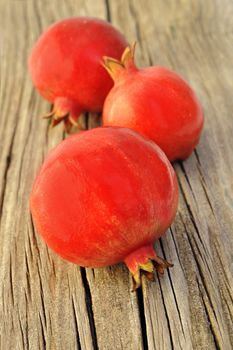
(48, 303)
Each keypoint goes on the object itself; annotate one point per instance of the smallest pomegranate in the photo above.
(156, 102)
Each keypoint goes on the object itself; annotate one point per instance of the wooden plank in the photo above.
(48, 303)
(195, 297)
(52, 304)
(39, 303)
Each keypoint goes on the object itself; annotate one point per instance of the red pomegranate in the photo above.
(65, 66)
(156, 102)
(105, 196)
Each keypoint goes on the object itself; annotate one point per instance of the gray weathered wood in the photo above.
(48, 303)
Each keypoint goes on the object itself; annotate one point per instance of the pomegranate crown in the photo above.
(115, 67)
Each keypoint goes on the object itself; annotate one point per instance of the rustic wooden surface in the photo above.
(47, 303)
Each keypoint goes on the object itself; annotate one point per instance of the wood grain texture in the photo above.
(47, 303)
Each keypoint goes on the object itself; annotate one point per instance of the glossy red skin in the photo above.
(66, 62)
(103, 194)
(159, 104)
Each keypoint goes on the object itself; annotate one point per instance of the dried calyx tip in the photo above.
(114, 66)
(144, 261)
(64, 110)
(148, 269)
(56, 118)
(128, 54)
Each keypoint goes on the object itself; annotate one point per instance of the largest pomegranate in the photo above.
(105, 196)
(65, 65)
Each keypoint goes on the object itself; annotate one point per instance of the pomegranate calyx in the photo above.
(112, 66)
(115, 67)
(143, 269)
(64, 110)
(127, 58)
(144, 261)
(161, 265)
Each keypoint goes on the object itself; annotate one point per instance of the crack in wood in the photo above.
(203, 182)
(187, 180)
(42, 298)
(90, 313)
(108, 11)
(42, 332)
(33, 245)
(173, 291)
(27, 274)
(197, 156)
(210, 320)
(227, 281)
(142, 318)
(216, 342)
(21, 328)
(8, 163)
(76, 324)
(176, 248)
(191, 215)
(11, 281)
(166, 315)
(22, 157)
